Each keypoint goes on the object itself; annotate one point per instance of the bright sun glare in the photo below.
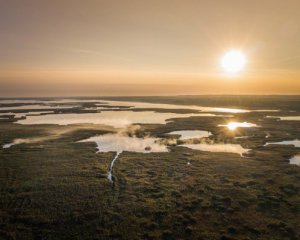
(233, 61)
(234, 125)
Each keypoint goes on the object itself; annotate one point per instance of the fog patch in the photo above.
(24, 140)
(48, 135)
(126, 140)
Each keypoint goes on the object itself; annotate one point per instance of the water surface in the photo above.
(117, 119)
(174, 106)
(189, 134)
(62, 100)
(235, 125)
(295, 160)
(29, 107)
(218, 147)
(295, 143)
(286, 118)
(118, 143)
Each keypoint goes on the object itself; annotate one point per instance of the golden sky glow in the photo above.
(159, 47)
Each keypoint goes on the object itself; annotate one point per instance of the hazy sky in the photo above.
(154, 47)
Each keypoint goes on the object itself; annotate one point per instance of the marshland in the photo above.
(180, 170)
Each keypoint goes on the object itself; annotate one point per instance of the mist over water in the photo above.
(120, 143)
(124, 121)
(24, 140)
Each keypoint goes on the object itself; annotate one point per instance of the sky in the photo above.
(155, 47)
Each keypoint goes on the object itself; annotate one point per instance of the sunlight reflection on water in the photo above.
(235, 125)
(188, 134)
(118, 119)
(118, 143)
(218, 147)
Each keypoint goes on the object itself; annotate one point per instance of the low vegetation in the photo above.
(58, 188)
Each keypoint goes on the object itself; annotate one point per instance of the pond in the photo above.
(295, 143)
(117, 119)
(295, 160)
(118, 143)
(218, 147)
(189, 134)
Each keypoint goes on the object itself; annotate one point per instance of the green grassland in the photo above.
(57, 188)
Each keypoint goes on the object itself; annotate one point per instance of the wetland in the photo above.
(184, 167)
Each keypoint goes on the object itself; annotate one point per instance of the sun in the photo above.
(233, 61)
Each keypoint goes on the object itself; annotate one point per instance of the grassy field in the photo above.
(57, 188)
